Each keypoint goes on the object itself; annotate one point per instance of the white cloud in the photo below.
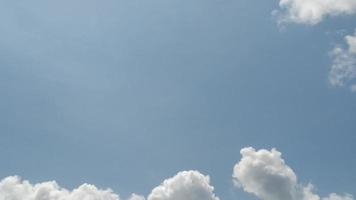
(266, 175)
(334, 196)
(186, 185)
(13, 188)
(136, 197)
(313, 11)
(343, 69)
(262, 173)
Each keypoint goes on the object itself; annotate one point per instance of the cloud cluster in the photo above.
(13, 188)
(343, 69)
(262, 173)
(186, 185)
(266, 175)
(313, 11)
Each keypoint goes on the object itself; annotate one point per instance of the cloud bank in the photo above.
(262, 173)
(186, 185)
(343, 69)
(313, 11)
(265, 174)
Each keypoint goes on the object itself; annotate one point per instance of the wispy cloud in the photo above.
(343, 69)
(313, 11)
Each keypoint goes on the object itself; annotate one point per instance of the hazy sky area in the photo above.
(126, 94)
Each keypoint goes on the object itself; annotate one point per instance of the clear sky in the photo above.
(124, 94)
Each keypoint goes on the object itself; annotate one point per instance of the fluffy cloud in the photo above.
(13, 188)
(262, 173)
(187, 185)
(343, 69)
(313, 11)
(265, 174)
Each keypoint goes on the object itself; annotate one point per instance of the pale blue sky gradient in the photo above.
(124, 94)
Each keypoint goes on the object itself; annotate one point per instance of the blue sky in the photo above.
(124, 94)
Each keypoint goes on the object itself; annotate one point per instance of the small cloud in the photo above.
(334, 196)
(312, 12)
(136, 197)
(353, 88)
(343, 69)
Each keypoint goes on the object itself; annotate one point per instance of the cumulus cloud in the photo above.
(13, 188)
(266, 175)
(313, 11)
(186, 185)
(343, 69)
(263, 173)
